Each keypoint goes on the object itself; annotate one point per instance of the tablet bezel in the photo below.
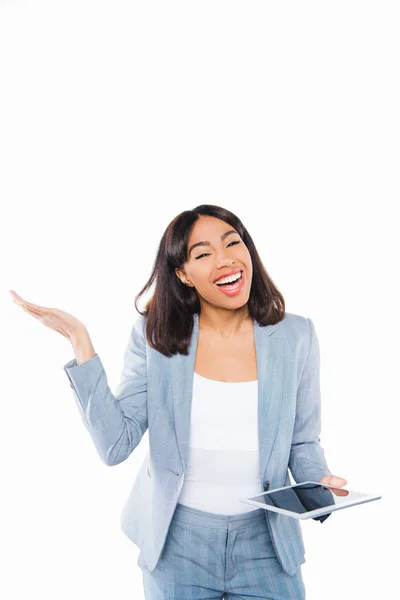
(312, 513)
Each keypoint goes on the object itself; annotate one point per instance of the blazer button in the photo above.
(266, 486)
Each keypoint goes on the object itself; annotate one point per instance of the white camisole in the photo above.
(223, 458)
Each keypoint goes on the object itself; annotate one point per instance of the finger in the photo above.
(16, 297)
(34, 313)
(339, 481)
(339, 492)
(31, 310)
(36, 307)
(40, 310)
(334, 480)
(19, 300)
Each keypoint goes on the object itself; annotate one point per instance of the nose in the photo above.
(225, 262)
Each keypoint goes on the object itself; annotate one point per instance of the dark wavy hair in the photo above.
(169, 312)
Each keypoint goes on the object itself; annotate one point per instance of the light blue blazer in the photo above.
(155, 393)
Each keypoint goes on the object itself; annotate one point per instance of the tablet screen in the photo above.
(304, 497)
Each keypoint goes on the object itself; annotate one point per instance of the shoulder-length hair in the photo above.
(169, 312)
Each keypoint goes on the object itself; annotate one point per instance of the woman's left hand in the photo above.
(336, 482)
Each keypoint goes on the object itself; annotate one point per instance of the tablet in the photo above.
(309, 499)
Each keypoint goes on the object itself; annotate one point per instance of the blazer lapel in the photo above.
(270, 353)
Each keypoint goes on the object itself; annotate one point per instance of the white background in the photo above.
(115, 117)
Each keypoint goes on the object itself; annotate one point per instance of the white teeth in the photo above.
(229, 279)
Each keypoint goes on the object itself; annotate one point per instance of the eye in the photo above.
(200, 255)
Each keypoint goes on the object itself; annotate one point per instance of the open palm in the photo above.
(53, 318)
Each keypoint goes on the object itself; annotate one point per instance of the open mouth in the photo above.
(232, 287)
(230, 283)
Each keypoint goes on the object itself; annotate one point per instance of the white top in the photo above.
(223, 459)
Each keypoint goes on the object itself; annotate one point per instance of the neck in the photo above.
(225, 323)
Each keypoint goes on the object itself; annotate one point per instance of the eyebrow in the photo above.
(223, 236)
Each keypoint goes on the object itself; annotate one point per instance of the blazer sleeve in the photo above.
(116, 423)
(307, 460)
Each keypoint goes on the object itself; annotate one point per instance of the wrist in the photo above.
(82, 345)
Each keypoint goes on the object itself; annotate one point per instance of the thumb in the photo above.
(333, 480)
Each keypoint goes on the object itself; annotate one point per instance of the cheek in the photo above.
(202, 271)
(200, 276)
(204, 280)
(245, 258)
(203, 283)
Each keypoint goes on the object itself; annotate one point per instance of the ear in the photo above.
(182, 276)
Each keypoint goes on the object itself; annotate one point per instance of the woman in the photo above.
(227, 385)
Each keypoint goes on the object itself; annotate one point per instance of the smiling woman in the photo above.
(228, 276)
(225, 421)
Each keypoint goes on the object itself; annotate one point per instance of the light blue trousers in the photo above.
(208, 556)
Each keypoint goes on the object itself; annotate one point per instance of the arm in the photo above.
(117, 423)
(307, 461)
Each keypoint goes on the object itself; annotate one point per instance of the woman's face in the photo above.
(219, 253)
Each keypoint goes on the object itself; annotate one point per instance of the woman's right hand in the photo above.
(53, 318)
